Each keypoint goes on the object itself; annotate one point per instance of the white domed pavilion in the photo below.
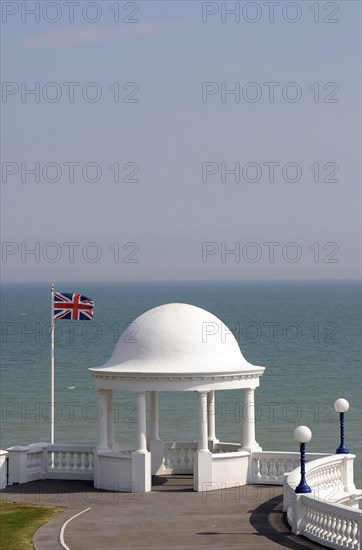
(173, 347)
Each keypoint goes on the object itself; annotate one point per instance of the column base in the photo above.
(212, 441)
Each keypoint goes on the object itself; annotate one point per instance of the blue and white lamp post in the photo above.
(302, 435)
(342, 406)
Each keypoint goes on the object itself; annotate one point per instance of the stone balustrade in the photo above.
(178, 457)
(69, 462)
(323, 515)
(269, 467)
(335, 526)
(45, 461)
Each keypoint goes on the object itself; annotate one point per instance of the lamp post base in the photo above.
(303, 488)
(342, 449)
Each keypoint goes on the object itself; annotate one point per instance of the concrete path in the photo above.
(171, 517)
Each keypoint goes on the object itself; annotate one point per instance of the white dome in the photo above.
(177, 338)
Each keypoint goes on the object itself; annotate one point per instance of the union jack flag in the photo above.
(72, 306)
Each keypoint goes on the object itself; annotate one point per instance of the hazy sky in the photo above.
(133, 125)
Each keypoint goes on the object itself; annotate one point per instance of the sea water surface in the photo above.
(306, 334)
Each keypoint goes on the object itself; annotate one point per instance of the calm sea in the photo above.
(306, 334)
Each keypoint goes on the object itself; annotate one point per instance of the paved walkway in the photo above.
(171, 517)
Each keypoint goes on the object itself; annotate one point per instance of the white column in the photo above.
(202, 422)
(110, 419)
(155, 444)
(249, 442)
(211, 416)
(141, 423)
(103, 419)
(154, 416)
(203, 457)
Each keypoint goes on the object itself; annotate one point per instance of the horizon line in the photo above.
(150, 281)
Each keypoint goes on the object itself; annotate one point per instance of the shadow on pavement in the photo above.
(269, 521)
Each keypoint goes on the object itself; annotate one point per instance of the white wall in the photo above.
(229, 469)
(113, 472)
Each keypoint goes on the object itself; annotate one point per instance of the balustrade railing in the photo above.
(178, 457)
(320, 515)
(269, 467)
(333, 525)
(45, 461)
(70, 461)
(35, 461)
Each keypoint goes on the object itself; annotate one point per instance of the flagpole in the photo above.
(52, 365)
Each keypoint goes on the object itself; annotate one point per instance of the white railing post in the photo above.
(3, 469)
(298, 520)
(289, 495)
(347, 473)
(18, 464)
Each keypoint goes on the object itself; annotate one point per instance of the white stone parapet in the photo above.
(269, 467)
(323, 515)
(46, 461)
(333, 525)
(178, 457)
